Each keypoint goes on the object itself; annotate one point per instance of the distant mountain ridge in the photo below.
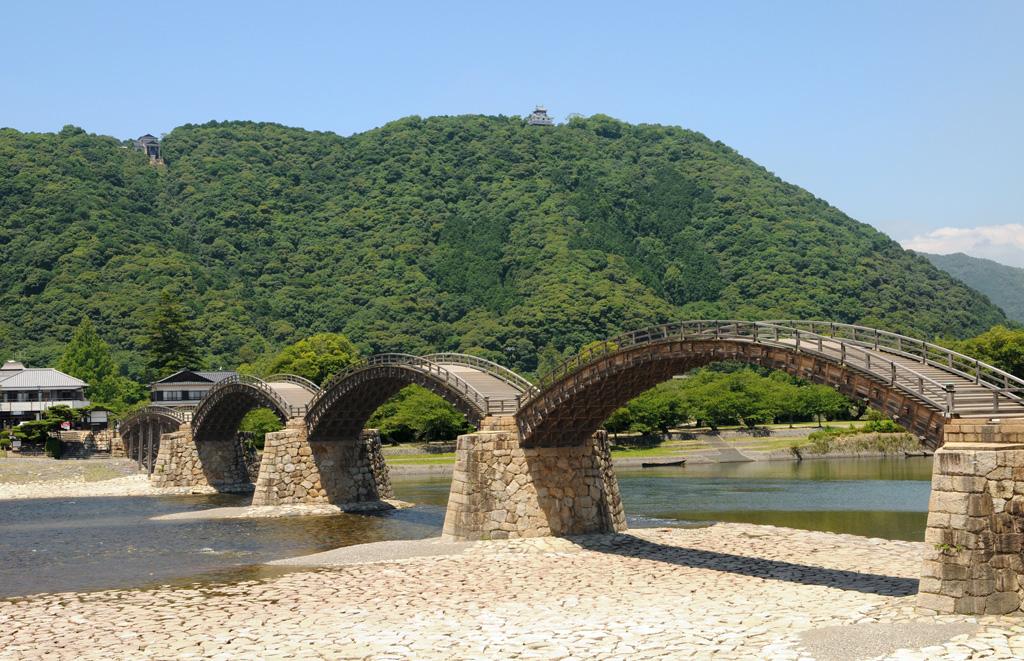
(472, 233)
(1004, 285)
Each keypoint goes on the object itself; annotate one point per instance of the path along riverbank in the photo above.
(727, 591)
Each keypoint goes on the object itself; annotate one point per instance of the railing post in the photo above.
(820, 350)
(842, 353)
(950, 405)
(876, 340)
(893, 369)
(995, 401)
(796, 333)
(755, 333)
(977, 371)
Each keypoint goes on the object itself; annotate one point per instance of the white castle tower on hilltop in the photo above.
(540, 117)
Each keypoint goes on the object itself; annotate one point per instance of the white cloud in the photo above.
(1002, 243)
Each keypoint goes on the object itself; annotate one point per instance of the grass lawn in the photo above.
(420, 459)
(769, 444)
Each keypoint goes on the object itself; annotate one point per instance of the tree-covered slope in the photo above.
(1001, 283)
(464, 233)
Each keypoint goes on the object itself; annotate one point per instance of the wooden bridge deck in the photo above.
(970, 399)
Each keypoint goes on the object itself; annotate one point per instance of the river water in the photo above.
(95, 543)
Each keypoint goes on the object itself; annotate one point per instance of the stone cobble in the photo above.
(727, 591)
(78, 487)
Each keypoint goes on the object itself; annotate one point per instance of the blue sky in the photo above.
(906, 115)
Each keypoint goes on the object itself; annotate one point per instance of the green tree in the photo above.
(821, 401)
(260, 422)
(548, 360)
(88, 357)
(416, 414)
(657, 410)
(316, 358)
(1000, 346)
(171, 341)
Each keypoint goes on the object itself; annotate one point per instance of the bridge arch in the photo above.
(475, 386)
(221, 411)
(920, 385)
(140, 432)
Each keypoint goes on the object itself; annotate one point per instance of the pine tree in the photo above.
(170, 339)
(88, 357)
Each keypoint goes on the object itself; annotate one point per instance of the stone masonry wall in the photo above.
(104, 441)
(975, 535)
(181, 462)
(501, 490)
(117, 449)
(295, 470)
(968, 430)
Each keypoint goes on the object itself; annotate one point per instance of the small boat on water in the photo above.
(681, 462)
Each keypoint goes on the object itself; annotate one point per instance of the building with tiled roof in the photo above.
(185, 387)
(25, 392)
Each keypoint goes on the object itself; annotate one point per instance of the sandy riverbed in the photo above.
(728, 591)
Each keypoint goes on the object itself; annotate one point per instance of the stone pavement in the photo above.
(727, 591)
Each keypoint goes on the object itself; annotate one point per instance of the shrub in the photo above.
(881, 424)
(53, 447)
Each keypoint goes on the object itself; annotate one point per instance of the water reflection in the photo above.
(870, 497)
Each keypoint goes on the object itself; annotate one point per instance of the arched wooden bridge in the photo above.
(917, 383)
(140, 431)
(477, 387)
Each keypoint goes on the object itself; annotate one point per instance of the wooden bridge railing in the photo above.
(293, 379)
(482, 403)
(855, 347)
(490, 367)
(931, 354)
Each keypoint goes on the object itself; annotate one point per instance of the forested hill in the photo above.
(471, 233)
(1001, 283)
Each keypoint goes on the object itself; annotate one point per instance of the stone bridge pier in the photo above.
(501, 490)
(295, 469)
(973, 560)
(212, 464)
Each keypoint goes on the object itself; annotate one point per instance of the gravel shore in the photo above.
(728, 591)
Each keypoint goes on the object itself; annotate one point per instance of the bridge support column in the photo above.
(501, 490)
(975, 536)
(217, 465)
(297, 470)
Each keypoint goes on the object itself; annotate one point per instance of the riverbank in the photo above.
(281, 511)
(728, 591)
(70, 478)
(731, 446)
